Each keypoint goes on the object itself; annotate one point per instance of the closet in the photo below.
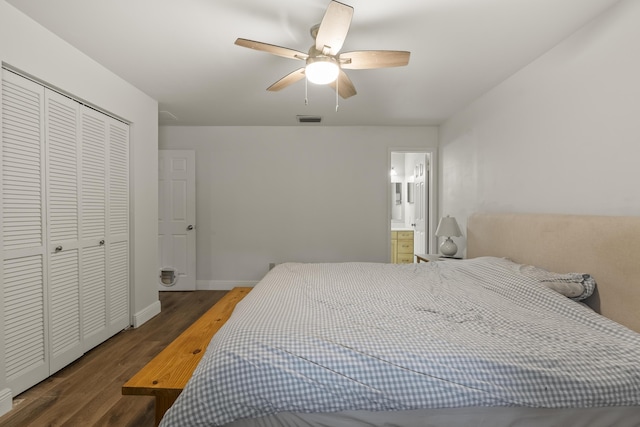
(64, 219)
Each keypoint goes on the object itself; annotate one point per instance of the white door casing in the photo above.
(420, 173)
(176, 220)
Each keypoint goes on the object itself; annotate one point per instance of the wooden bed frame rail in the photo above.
(166, 375)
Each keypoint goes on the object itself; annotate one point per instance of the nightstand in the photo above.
(433, 257)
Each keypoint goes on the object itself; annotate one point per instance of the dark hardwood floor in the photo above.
(87, 392)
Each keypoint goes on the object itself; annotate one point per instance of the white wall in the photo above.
(560, 136)
(277, 194)
(31, 48)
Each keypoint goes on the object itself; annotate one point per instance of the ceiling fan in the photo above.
(324, 62)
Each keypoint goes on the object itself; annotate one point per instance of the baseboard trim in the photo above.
(222, 285)
(6, 401)
(146, 314)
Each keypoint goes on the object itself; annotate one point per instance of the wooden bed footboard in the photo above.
(166, 375)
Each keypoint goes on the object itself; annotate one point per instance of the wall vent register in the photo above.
(309, 119)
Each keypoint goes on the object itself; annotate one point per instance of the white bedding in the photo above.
(322, 338)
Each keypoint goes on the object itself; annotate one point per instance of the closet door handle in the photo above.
(101, 242)
(190, 227)
(58, 248)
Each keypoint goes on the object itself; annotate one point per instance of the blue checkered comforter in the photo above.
(381, 337)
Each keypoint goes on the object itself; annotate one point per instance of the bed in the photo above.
(509, 336)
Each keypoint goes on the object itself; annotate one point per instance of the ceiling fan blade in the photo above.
(287, 80)
(366, 59)
(273, 49)
(345, 86)
(333, 28)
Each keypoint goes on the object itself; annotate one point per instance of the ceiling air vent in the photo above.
(309, 119)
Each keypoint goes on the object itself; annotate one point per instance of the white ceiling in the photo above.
(182, 53)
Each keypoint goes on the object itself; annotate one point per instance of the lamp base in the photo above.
(448, 247)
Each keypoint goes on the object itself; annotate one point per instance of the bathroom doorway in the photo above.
(412, 197)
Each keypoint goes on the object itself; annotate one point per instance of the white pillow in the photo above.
(568, 289)
(576, 286)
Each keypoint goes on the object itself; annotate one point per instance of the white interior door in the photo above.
(93, 227)
(25, 338)
(118, 226)
(176, 216)
(63, 212)
(104, 226)
(420, 183)
(64, 280)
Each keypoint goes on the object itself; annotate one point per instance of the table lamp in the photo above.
(448, 227)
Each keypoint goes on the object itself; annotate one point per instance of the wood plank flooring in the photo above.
(87, 392)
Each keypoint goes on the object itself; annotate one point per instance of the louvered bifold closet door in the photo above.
(24, 339)
(63, 213)
(95, 327)
(118, 225)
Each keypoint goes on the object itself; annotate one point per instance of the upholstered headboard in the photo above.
(606, 247)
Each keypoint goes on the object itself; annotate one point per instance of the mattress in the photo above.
(367, 341)
(628, 416)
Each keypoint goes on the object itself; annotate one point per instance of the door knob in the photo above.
(101, 242)
(190, 227)
(58, 248)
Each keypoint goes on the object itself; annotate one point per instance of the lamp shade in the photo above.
(448, 227)
(321, 70)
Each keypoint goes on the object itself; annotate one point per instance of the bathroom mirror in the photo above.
(410, 187)
(397, 208)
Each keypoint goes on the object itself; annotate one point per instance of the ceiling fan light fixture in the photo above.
(322, 70)
(324, 64)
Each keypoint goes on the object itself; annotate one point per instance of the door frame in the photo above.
(432, 152)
